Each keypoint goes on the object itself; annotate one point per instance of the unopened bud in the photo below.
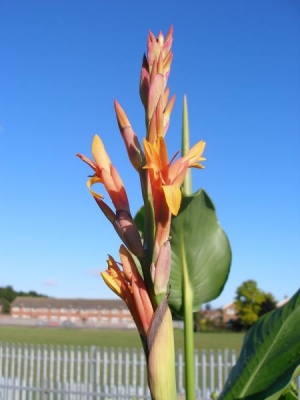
(133, 147)
(128, 232)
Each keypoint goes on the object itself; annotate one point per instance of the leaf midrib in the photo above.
(249, 382)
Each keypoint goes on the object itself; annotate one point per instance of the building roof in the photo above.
(282, 302)
(228, 305)
(50, 302)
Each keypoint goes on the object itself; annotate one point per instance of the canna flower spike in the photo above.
(161, 180)
(106, 173)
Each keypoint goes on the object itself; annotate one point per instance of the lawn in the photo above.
(111, 338)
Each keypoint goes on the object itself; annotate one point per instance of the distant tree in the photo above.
(199, 321)
(251, 303)
(33, 293)
(9, 294)
(268, 304)
(5, 306)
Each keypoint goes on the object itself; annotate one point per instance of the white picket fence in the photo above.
(42, 372)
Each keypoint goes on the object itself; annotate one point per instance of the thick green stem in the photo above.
(188, 337)
(187, 290)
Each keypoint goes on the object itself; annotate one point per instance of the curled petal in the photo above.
(94, 179)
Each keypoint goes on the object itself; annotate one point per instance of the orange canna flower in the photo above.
(167, 178)
(107, 174)
(129, 285)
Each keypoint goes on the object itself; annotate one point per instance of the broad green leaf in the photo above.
(290, 393)
(200, 253)
(269, 357)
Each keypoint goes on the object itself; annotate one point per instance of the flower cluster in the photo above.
(129, 285)
(161, 182)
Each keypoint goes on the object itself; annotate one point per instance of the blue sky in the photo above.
(63, 63)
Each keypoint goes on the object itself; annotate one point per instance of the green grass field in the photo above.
(111, 338)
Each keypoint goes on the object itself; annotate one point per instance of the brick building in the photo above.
(66, 312)
(229, 313)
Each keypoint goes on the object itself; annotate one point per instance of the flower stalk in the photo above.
(187, 290)
(146, 293)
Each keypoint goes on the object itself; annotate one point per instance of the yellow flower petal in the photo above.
(94, 179)
(99, 154)
(173, 197)
(162, 151)
(112, 283)
(194, 155)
